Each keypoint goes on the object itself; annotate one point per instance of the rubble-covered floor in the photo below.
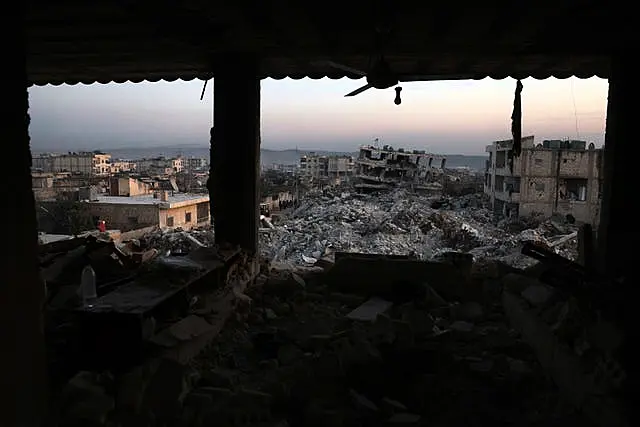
(317, 341)
(296, 357)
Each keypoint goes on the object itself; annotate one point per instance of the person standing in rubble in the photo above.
(102, 226)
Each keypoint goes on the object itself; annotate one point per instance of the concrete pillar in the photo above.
(235, 152)
(22, 357)
(619, 228)
(619, 232)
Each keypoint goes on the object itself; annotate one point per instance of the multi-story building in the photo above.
(315, 168)
(340, 166)
(101, 164)
(160, 166)
(554, 177)
(380, 168)
(81, 163)
(120, 166)
(194, 163)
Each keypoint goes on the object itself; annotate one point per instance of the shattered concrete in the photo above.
(315, 334)
(401, 223)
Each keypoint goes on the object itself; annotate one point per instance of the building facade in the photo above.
(553, 177)
(315, 168)
(120, 166)
(160, 166)
(159, 209)
(128, 187)
(81, 163)
(194, 164)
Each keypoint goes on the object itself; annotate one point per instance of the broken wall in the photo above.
(184, 216)
(125, 217)
(545, 172)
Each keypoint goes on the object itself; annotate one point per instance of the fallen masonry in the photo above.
(402, 222)
(185, 332)
(305, 346)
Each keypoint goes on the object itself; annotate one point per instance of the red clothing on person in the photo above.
(102, 226)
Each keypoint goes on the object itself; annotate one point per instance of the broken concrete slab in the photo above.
(370, 310)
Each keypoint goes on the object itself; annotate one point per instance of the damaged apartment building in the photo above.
(383, 168)
(332, 169)
(552, 177)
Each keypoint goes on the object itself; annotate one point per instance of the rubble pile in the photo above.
(312, 347)
(401, 223)
(178, 241)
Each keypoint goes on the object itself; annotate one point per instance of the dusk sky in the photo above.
(442, 117)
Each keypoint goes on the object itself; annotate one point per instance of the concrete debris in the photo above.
(326, 331)
(401, 222)
(370, 310)
(295, 357)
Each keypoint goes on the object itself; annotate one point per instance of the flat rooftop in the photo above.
(173, 201)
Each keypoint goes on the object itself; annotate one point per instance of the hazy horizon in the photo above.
(449, 117)
(173, 149)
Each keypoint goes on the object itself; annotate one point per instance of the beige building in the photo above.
(553, 177)
(158, 209)
(128, 187)
(101, 164)
(80, 163)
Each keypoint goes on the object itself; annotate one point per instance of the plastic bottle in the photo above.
(88, 286)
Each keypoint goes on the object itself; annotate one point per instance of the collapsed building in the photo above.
(295, 353)
(384, 168)
(554, 177)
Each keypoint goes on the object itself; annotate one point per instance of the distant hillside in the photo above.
(267, 156)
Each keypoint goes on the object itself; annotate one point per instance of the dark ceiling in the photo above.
(73, 41)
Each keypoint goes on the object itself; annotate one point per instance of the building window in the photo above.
(169, 221)
(574, 189)
(133, 220)
(187, 217)
(539, 186)
(538, 161)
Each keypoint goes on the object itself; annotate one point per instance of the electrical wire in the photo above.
(575, 110)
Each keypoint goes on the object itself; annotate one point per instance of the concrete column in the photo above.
(618, 231)
(22, 358)
(235, 152)
(619, 228)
